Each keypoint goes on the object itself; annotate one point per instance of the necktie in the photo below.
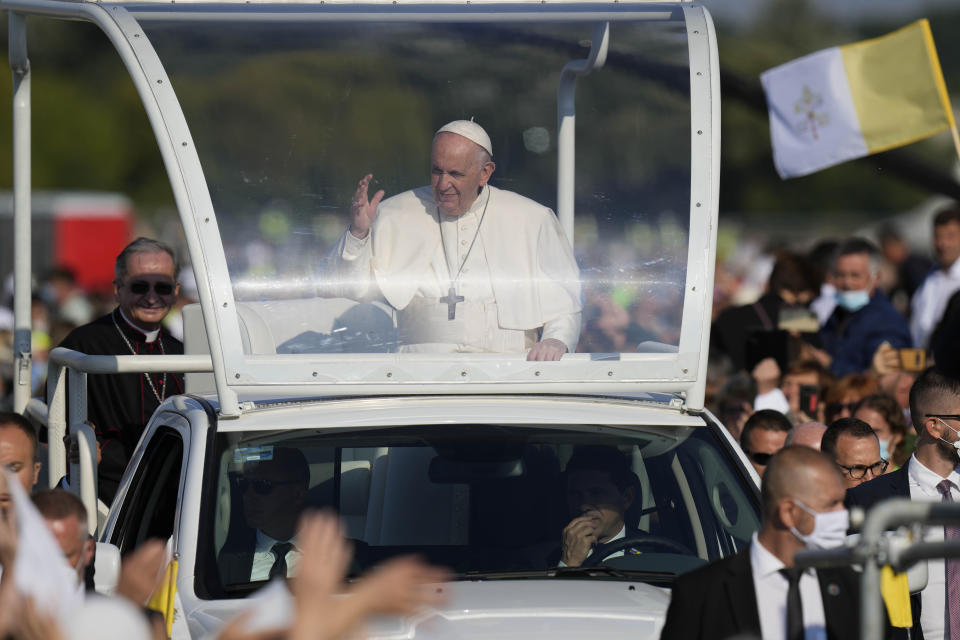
(952, 592)
(279, 552)
(794, 606)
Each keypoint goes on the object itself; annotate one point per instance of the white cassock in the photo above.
(519, 276)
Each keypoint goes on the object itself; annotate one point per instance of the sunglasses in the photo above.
(260, 486)
(837, 407)
(141, 287)
(761, 459)
(857, 471)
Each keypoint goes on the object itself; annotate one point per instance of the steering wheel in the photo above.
(603, 551)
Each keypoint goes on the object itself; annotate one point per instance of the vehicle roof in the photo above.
(361, 2)
(333, 412)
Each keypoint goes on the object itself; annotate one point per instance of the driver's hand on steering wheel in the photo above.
(577, 540)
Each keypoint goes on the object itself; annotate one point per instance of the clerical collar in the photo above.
(148, 336)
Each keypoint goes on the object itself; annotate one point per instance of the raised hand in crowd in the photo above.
(401, 586)
(142, 571)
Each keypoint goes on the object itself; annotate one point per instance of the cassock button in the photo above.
(463, 242)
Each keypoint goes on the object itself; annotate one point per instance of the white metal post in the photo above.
(20, 65)
(567, 123)
(83, 474)
(56, 422)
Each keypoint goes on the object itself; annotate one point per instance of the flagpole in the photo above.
(956, 138)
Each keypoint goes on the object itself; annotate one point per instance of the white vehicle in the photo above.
(266, 114)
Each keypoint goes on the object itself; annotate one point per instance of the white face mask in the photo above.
(956, 443)
(829, 528)
(853, 300)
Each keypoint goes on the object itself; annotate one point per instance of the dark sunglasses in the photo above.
(260, 486)
(837, 407)
(857, 471)
(140, 287)
(761, 459)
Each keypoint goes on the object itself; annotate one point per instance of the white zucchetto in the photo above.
(471, 131)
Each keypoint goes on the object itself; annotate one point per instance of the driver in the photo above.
(601, 487)
(273, 492)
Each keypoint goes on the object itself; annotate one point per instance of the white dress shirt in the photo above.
(923, 486)
(930, 301)
(263, 557)
(771, 588)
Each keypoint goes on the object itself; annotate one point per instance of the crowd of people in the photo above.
(841, 331)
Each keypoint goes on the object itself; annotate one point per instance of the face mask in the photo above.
(883, 449)
(829, 529)
(853, 300)
(956, 443)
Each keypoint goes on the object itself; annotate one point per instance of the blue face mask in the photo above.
(853, 300)
(884, 451)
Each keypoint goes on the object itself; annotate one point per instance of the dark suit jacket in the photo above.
(235, 559)
(891, 485)
(718, 601)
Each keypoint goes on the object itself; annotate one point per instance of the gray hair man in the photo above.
(119, 406)
(864, 320)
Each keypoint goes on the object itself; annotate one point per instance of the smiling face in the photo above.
(137, 295)
(459, 169)
(593, 494)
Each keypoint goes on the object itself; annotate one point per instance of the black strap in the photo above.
(794, 605)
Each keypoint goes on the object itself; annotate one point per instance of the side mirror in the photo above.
(106, 565)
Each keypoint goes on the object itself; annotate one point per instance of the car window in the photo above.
(150, 505)
(480, 499)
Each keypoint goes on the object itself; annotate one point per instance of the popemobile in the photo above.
(459, 365)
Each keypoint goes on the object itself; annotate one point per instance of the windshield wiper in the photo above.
(601, 570)
(566, 572)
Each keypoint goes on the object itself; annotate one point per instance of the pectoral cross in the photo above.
(451, 300)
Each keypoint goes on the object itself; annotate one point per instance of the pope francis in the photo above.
(467, 266)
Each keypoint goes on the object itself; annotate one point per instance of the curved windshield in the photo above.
(486, 500)
(289, 117)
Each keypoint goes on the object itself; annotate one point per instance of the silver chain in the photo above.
(163, 387)
(454, 280)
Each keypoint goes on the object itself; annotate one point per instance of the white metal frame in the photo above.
(236, 373)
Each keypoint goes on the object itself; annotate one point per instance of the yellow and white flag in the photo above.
(847, 102)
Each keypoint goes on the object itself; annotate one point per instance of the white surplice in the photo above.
(520, 274)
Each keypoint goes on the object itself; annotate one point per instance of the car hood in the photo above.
(530, 609)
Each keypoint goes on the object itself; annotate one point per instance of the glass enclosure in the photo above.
(287, 117)
(485, 500)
